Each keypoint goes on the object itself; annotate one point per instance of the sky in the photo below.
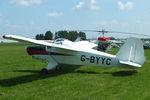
(30, 17)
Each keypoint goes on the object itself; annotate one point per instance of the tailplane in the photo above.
(132, 53)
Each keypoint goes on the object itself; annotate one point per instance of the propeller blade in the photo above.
(130, 33)
(103, 32)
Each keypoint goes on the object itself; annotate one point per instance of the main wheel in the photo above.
(44, 71)
(58, 67)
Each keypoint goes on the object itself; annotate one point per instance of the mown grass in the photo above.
(20, 79)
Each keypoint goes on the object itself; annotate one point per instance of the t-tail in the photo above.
(132, 53)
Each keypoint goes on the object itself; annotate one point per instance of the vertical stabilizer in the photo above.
(132, 52)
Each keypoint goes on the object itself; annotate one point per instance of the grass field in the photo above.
(20, 80)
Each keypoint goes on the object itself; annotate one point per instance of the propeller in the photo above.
(103, 32)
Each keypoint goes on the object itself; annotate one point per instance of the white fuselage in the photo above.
(91, 57)
(82, 53)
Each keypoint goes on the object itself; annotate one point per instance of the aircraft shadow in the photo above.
(124, 73)
(36, 75)
(116, 74)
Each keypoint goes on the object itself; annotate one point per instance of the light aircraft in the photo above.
(130, 55)
(147, 45)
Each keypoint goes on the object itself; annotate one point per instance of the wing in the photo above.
(18, 38)
(86, 44)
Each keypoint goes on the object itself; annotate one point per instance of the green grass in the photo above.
(20, 79)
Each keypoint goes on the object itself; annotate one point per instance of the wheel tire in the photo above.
(58, 68)
(44, 71)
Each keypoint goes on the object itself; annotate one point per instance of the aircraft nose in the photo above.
(32, 50)
(4, 36)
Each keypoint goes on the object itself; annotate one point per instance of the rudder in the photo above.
(132, 52)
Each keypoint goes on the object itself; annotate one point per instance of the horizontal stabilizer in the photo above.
(130, 63)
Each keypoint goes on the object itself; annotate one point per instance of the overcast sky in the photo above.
(31, 17)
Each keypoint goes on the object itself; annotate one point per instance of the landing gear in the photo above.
(50, 66)
(44, 71)
(58, 67)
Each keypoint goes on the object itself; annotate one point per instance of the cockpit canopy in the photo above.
(59, 40)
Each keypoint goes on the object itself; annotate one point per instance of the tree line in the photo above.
(70, 35)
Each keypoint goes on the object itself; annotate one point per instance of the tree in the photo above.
(48, 35)
(82, 35)
(61, 34)
(39, 37)
(72, 35)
